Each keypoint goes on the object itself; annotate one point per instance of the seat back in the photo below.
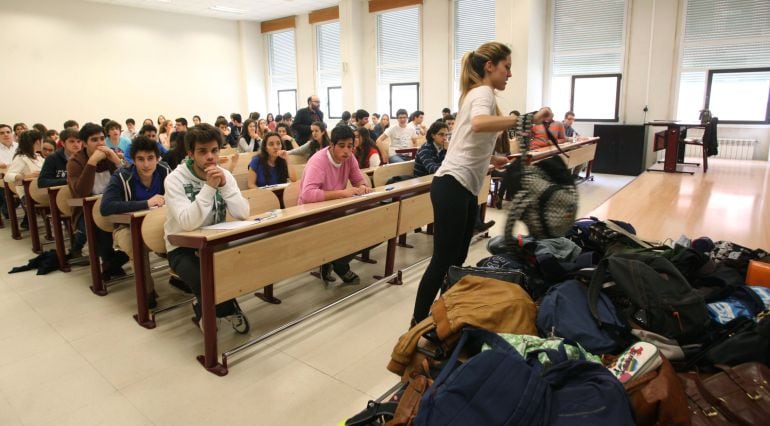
(291, 195)
(260, 200)
(383, 173)
(242, 166)
(152, 230)
(62, 197)
(102, 222)
(40, 196)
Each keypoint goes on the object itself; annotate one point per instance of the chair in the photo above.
(291, 195)
(296, 159)
(102, 222)
(260, 200)
(152, 230)
(708, 142)
(383, 173)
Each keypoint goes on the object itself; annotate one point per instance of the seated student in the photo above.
(54, 171)
(48, 147)
(400, 136)
(176, 155)
(318, 139)
(151, 132)
(7, 149)
(269, 166)
(287, 137)
(200, 193)
(542, 138)
(432, 152)
(250, 140)
(26, 163)
(88, 173)
(116, 142)
(139, 186)
(326, 177)
(367, 153)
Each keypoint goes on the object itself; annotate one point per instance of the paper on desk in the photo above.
(229, 225)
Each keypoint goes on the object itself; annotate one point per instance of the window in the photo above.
(282, 72)
(404, 95)
(398, 56)
(329, 71)
(593, 95)
(725, 61)
(586, 58)
(287, 101)
(334, 101)
(474, 25)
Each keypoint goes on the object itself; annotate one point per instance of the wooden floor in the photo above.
(730, 202)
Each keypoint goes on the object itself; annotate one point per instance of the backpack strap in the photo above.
(621, 335)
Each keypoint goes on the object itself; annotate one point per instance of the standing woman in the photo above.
(455, 187)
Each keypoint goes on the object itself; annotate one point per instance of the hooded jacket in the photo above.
(54, 171)
(118, 197)
(192, 203)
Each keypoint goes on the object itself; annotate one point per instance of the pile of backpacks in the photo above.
(597, 327)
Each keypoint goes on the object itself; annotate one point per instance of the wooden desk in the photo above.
(58, 234)
(32, 209)
(669, 140)
(10, 202)
(317, 225)
(580, 152)
(87, 204)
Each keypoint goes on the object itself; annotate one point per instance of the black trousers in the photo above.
(455, 211)
(187, 265)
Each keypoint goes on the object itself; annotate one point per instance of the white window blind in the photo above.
(282, 65)
(329, 65)
(474, 25)
(398, 51)
(588, 36)
(722, 35)
(587, 39)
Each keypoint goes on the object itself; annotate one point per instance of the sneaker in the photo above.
(326, 272)
(238, 320)
(350, 278)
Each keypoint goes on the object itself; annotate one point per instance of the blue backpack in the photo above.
(500, 387)
(564, 312)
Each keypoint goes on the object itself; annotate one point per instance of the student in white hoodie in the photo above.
(200, 193)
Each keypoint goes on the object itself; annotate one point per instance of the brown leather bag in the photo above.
(419, 382)
(658, 397)
(739, 394)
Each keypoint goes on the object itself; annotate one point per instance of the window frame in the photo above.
(278, 100)
(619, 77)
(329, 101)
(390, 96)
(707, 95)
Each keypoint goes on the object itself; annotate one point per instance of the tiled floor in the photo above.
(70, 357)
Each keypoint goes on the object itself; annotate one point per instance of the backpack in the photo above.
(650, 292)
(545, 197)
(564, 312)
(501, 387)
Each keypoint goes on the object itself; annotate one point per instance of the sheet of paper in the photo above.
(229, 225)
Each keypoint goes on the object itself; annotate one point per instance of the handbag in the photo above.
(456, 273)
(740, 394)
(545, 197)
(658, 397)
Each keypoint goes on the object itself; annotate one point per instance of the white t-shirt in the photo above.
(101, 179)
(399, 138)
(469, 153)
(7, 152)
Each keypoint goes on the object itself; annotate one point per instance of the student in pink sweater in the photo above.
(325, 178)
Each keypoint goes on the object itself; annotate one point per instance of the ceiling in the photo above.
(247, 10)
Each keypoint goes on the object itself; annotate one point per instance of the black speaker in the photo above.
(620, 150)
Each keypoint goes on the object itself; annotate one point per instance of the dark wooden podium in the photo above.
(670, 140)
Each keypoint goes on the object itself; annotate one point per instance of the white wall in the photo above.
(437, 55)
(87, 61)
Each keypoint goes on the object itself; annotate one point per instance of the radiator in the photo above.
(730, 149)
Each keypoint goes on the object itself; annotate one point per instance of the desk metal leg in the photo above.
(97, 285)
(32, 221)
(15, 233)
(390, 263)
(267, 295)
(141, 262)
(58, 233)
(209, 359)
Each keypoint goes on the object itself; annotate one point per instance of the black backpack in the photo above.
(650, 292)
